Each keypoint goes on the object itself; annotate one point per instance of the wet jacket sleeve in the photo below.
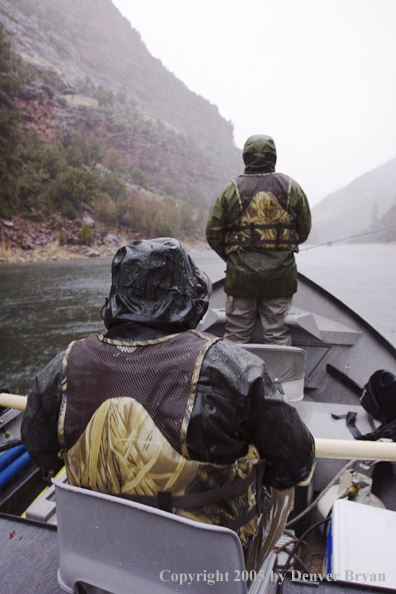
(225, 209)
(40, 420)
(237, 404)
(299, 209)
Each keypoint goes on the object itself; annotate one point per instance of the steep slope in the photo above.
(94, 60)
(353, 208)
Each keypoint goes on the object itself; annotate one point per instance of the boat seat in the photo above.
(125, 547)
(285, 366)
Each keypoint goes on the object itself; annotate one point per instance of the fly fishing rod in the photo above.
(325, 448)
(329, 243)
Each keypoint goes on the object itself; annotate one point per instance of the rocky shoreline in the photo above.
(53, 252)
(24, 241)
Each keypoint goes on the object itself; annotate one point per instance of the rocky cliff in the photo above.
(97, 77)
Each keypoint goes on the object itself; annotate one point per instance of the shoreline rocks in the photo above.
(24, 241)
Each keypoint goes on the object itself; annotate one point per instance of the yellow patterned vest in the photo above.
(264, 223)
(123, 426)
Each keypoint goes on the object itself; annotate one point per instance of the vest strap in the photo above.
(350, 419)
(165, 501)
(261, 242)
(263, 226)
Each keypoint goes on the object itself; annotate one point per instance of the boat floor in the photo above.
(29, 557)
(29, 562)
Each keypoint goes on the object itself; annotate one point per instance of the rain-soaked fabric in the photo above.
(264, 223)
(269, 273)
(161, 374)
(236, 403)
(259, 151)
(122, 451)
(155, 282)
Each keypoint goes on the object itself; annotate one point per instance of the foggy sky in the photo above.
(317, 75)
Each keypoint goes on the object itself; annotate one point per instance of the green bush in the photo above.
(55, 221)
(36, 216)
(114, 186)
(104, 96)
(85, 235)
(68, 210)
(5, 211)
(74, 185)
(106, 209)
(138, 177)
(53, 160)
(113, 160)
(62, 239)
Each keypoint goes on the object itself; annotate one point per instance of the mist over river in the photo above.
(363, 276)
(46, 305)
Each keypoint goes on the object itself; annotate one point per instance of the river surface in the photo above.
(46, 305)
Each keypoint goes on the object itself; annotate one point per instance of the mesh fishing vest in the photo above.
(264, 223)
(123, 426)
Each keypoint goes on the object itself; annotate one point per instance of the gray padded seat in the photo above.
(128, 548)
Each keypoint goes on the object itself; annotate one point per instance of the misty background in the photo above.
(317, 76)
(126, 119)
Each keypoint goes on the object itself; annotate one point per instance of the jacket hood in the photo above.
(156, 283)
(259, 151)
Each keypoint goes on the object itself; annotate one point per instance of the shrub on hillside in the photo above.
(114, 186)
(106, 209)
(138, 177)
(68, 210)
(75, 185)
(55, 221)
(113, 160)
(85, 235)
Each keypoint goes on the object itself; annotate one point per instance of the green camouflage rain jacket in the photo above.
(278, 219)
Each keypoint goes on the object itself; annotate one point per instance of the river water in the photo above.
(46, 305)
(362, 276)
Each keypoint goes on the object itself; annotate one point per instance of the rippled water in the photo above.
(363, 276)
(44, 306)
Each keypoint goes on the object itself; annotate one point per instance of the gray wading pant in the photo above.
(241, 318)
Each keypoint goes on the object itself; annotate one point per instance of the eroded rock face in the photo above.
(159, 125)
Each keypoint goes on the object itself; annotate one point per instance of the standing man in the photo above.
(256, 225)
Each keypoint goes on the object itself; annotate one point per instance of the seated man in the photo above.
(157, 412)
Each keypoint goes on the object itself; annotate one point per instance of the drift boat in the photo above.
(334, 353)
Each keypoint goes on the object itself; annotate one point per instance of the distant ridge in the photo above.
(352, 209)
